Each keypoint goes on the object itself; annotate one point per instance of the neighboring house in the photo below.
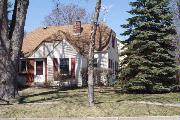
(64, 49)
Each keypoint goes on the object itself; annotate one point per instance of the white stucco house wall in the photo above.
(64, 49)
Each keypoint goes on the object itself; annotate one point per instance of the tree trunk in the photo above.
(91, 54)
(7, 74)
(10, 46)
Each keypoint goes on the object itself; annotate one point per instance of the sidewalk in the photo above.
(101, 118)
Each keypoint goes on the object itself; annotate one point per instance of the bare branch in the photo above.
(12, 24)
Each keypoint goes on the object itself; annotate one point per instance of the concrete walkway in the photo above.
(101, 118)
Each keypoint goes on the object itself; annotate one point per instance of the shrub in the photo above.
(61, 78)
(102, 72)
(98, 74)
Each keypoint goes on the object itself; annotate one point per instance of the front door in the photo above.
(39, 71)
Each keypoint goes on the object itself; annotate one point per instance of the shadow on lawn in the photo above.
(59, 93)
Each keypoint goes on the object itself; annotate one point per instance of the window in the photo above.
(64, 65)
(39, 67)
(109, 63)
(22, 66)
(113, 41)
(95, 62)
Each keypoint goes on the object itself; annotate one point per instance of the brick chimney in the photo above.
(77, 27)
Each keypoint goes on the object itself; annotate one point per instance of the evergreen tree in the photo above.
(150, 64)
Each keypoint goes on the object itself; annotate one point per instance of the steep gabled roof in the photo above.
(80, 42)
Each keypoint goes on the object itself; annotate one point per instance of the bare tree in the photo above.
(91, 54)
(11, 39)
(66, 15)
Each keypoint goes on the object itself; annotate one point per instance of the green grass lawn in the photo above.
(43, 102)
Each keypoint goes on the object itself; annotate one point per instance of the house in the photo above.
(64, 50)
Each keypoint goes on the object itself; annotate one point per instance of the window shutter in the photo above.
(73, 64)
(30, 71)
(55, 65)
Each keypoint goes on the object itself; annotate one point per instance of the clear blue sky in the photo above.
(117, 15)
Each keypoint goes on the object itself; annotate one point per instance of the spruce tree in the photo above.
(150, 64)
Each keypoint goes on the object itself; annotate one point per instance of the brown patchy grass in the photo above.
(42, 102)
